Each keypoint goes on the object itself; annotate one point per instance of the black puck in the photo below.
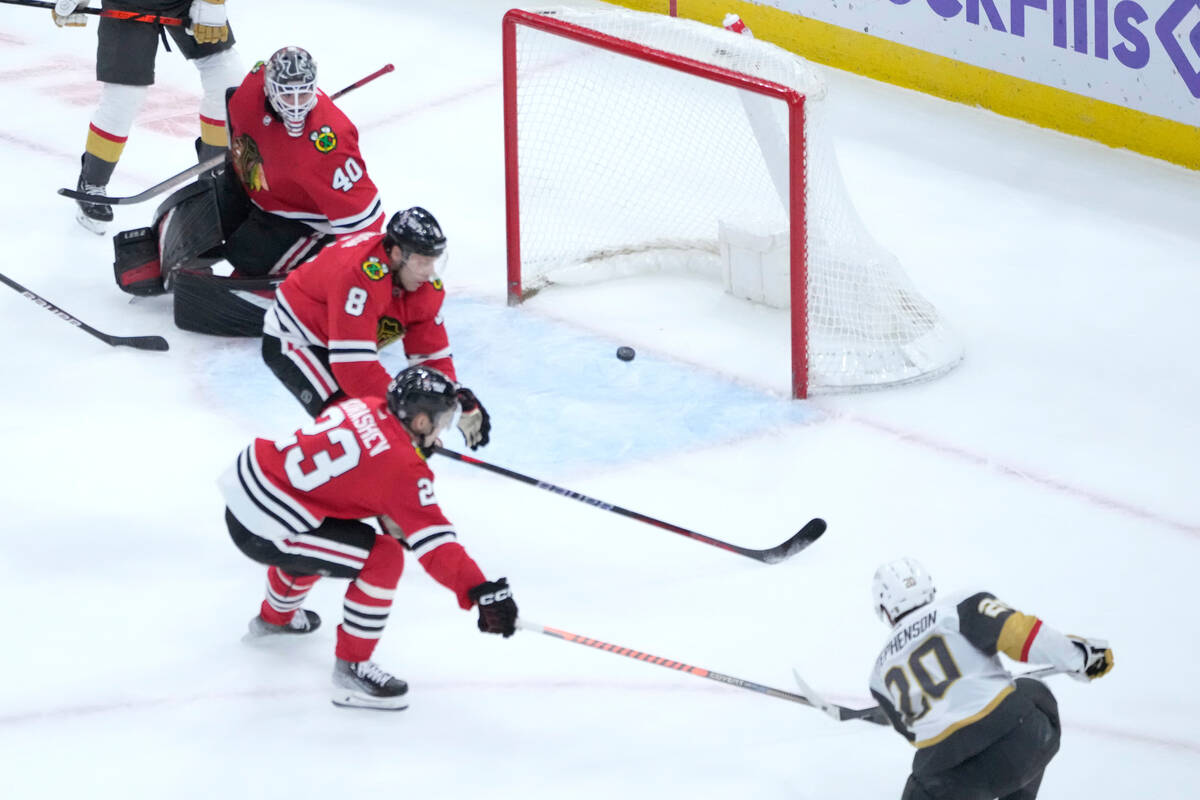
(625, 353)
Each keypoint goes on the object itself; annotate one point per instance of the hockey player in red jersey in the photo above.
(296, 504)
(332, 315)
(296, 156)
(979, 733)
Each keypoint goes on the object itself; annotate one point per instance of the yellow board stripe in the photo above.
(962, 723)
(911, 68)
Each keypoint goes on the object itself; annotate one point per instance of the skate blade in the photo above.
(93, 225)
(353, 700)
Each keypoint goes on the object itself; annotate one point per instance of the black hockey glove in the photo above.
(1097, 658)
(474, 421)
(497, 609)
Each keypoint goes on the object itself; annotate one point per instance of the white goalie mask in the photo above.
(291, 86)
(899, 587)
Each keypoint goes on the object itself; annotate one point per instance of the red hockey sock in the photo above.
(369, 600)
(285, 594)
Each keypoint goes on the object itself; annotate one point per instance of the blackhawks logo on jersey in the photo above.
(325, 140)
(248, 164)
(374, 269)
(389, 330)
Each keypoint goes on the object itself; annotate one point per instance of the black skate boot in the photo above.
(362, 684)
(303, 621)
(93, 216)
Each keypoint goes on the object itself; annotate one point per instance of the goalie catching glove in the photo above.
(474, 421)
(209, 22)
(68, 13)
(497, 609)
(1097, 658)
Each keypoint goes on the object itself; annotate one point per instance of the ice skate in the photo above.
(303, 621)
(93, 216)
(362, 684)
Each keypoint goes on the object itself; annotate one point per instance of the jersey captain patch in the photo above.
(325, 140)
(374, 269)
(390, 329)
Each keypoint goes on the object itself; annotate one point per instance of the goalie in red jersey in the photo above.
(331, 316)
(296, 504)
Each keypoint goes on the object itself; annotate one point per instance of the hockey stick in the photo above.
(138, 342)
(193, 171)
(811, 531)
(875, 713)
(679, 666)
(125, 16)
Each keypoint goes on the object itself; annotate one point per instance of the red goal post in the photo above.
(540, 147)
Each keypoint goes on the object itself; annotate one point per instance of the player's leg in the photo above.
(220, 68)
(304, 371)
(1038, 742)
(125, 68)
(947, 785)
(267, 244)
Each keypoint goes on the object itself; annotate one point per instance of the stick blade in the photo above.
(141, 342)
(811, 531)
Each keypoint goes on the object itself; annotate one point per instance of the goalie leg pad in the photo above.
(135, 262)
(219, 306)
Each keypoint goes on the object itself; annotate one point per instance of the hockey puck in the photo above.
(625, 353)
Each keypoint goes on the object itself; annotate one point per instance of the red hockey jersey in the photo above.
(355, 461)
(344, 300)
(318, 178)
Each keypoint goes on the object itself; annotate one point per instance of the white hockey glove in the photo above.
(474, 421)
(67, 13)
(1097, 658)
(209, 22)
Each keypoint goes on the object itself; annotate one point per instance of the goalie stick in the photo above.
(193, 171)
(138, 342)
(811, 531)
(700, 672)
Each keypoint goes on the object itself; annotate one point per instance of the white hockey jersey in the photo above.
(939, 671)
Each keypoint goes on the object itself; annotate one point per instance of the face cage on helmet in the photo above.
(293, 113)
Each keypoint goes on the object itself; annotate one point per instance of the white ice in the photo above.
(1055, 467)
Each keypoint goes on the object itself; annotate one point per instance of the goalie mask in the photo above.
(291, 86)
(418, 390)
(899, 587)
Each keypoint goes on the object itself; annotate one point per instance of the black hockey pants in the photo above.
(1010, 768)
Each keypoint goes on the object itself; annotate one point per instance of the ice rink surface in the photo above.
(1056, 467)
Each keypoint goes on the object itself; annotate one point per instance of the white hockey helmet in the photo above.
(899, 587)
(291, 86)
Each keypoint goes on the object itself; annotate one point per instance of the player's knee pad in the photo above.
(218, 72)
(119, 104)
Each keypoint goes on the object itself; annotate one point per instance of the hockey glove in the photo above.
(497, 609)
(1097, 658)
(474, 421)
(209, 23)
(67, 13)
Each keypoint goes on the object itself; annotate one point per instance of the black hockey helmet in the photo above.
(415, 230)
(422, 389)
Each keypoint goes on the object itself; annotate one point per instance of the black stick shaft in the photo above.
(806, 536)
(139, 342)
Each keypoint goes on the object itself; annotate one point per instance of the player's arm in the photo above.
(894, 716)
(426, 342)
(993, 626)
(338, 184)
(355, 301)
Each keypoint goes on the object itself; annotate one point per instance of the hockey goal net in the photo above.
(637, 142)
